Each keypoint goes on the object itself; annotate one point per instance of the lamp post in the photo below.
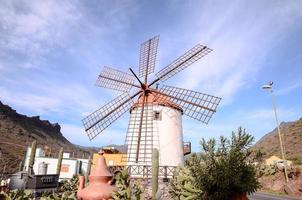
(269, 87)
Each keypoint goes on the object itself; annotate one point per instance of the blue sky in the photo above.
(51, 53)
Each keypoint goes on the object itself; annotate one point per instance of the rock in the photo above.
(280, 166)
(17, 132)
(288, 189)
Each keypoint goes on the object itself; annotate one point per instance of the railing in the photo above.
(144, 171)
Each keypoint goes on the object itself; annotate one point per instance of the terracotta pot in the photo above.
(100, 187)
(242, 196)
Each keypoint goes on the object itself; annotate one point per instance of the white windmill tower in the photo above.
(156, 114)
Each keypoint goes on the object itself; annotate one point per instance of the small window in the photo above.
(157, 115)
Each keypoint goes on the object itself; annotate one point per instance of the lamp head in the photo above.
(268, 86)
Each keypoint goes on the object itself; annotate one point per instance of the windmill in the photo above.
(155, 113)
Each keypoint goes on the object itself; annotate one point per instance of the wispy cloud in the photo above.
(35, 34)
(257, 121)
(38, 104)
(76, 134)
(241, 39)
(289, 88)
(67, 100)
(30, 30)
(51, 52)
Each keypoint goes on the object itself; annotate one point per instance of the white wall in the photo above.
(166, 135)
(69, 168)
(170, 137)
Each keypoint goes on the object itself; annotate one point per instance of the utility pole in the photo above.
(269, 87)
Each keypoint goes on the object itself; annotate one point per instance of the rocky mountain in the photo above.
(292, 133)
(17, 132)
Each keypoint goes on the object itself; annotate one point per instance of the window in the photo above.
(65, 168)
(157, 115)
(110, 163)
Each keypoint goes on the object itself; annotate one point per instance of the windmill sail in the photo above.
(148, 52)
(182, 62)
(100, 119)
(115, 79)
(194, 104)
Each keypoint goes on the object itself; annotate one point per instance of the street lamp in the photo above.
(269, 87)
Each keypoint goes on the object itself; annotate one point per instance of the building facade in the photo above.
(48, 165)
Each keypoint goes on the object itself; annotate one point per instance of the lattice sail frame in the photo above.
(100, 119)
(149, 135)
(147, 59)
(183, 62)
(115, 79)
(194, 104)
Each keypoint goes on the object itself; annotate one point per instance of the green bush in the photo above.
(296, 161)
(220, 170)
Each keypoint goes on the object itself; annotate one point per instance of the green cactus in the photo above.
(17, 195)
(32, 156)
(21, 164)
(182, 185)
(155, 165)
(88, 169)
(127, 189)
(60, 158)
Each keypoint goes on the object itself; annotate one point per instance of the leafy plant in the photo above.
(127, 189)
(17, 195)
(221, 169)
(66, 191)
(68, 195)
(69, 185)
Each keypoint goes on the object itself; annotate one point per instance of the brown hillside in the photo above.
(18, 131)
(292, 132)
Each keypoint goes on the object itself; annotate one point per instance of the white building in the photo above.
(69, 167)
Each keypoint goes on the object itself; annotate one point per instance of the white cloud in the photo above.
(76, 134)
(257, 121)
(241, 37)
(268, 114)
(289, 89)
(30, 29)
(33, 31)
(36, 103)
(63, 99)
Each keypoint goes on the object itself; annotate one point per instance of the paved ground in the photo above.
(265, 196)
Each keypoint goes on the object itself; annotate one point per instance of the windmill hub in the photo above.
(144, 87)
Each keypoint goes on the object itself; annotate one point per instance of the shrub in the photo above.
(296, 161)
(221, 169)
